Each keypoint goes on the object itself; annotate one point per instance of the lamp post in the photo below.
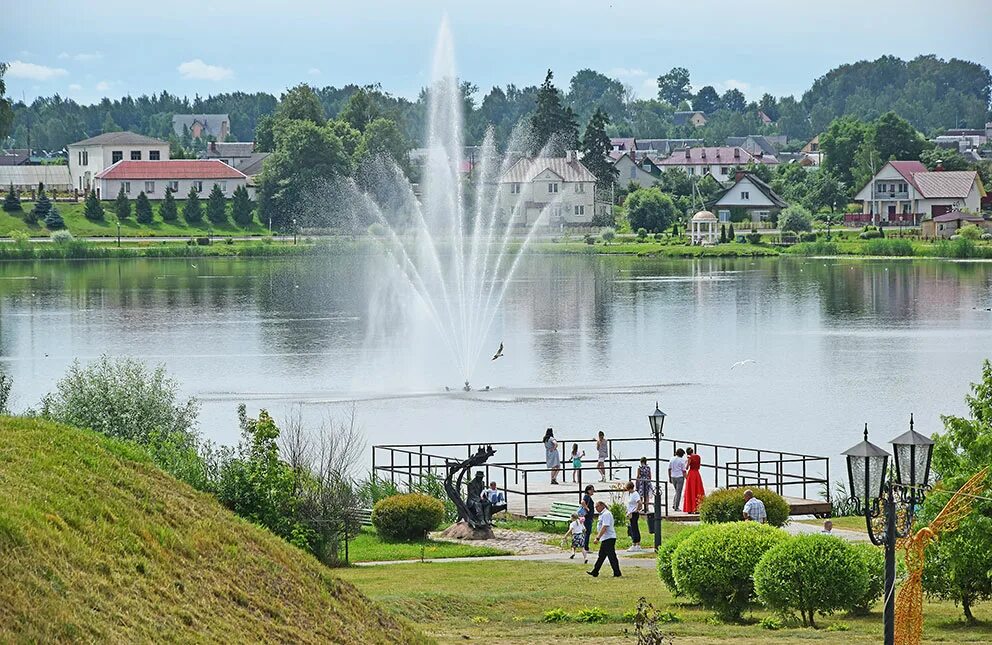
(294, 230)
(657, 421)
(879, 493)
(118, 233)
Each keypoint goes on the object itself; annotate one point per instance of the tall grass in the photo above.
(961, 249)
(889, 247)
(819, 247)
(78, 249)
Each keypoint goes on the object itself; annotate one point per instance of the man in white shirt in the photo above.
(754, 508)
(633, 517)
(676, 475)
(607, 539)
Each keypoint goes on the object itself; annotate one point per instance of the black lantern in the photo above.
(657, 421)
(866, 469)
(912, 458)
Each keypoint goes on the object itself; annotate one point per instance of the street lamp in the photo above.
(879, 494)
(657, 421)
(294, 230)
(118, 233)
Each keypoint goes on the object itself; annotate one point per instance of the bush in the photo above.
(810, 573)
(727, 505)
(589, 239)
(62, 238)
(203, 241)
(716, 564)
(970, 232)
(873, 560)
(407, 517)
(753, 237)
(642, 234)
(807, 237)
(819, 247)
(593, 615)
(665, 553)
(796, 219)
(557, 615)
(12, 200)
(608, 235)
(870, 235)
(889, 246)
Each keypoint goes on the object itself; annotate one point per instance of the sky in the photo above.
(89, 49)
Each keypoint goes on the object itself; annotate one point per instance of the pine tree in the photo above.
(12, 201)
(42, 206)
(552, 125)
(217, 206)
(54, 221)
(731, 236)
(241, 207)
(122, 206)
(192, 212)
(596, 148)
(675, 229)
(143, 209)
(723, 233)
(93, 210)
(168, 209)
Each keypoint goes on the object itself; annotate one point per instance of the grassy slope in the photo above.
(96, 544)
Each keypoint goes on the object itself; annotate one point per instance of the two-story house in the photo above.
(639, 169)
(719, 161)
(557, 191)
(905, 192)
(91, 156)
(751, 195)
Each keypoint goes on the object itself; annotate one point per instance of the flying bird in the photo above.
(193, 265)
(743, 362)
(499, 352)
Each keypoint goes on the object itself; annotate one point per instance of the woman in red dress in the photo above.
(693, 483)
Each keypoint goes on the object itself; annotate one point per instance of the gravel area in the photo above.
(518, 542)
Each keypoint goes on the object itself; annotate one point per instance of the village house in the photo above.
(644, 172)
(558, 191)
(15, 157)
(153, 177)
(946, 225)
(719, 161)
(91, 156)
(749, 194)
(759, 143)
(202, 126)
(905, 192)
(694, 117)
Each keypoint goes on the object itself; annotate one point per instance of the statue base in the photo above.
(462, 531)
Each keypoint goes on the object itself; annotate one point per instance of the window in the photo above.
(515, 188)
(135, 155)
(223, 186)
(690, 170)
(633, 171)
(174, 186)
(553, 187)
(116, 156)
(154, 155)
(149, 187)
(580, 187)
(906, 209)
(580, 210)
(745, 194)
(84, 158)
(724, 170)
(127, 186)
(198, 186)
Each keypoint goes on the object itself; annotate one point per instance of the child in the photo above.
(577, 529)
(576, 462)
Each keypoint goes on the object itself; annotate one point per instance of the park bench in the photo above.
(362, 515)
(560, 512)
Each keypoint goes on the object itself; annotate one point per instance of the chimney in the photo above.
(717, 153)
(571, 155)
(739, 175)
(737, 153)
(703, 153)
(213, 146)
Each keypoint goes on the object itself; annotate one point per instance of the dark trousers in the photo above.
(585, 540)
(607, 549)
(634, 528)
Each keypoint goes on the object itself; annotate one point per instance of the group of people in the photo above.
(580, 530)
(683, 472)
(553, 457)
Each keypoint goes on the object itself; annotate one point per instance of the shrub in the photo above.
(42, 207)
(54, 221)
(889, 246)
(242, 208)
(987, 236)
(665, 553)
(771, 623)
(122, 205)
(217, 206)
(62, 238)
(619, 511)
(810, 573)
(12, 200)
(143, 209)
(192, 211)
(407, 517)
(642, 234)
(807, 237)
(796, 219)
(970, 232)
(873, 561)
(870, 235)
(589, 239)
(754, 237)
(168, 210)
(727, 505)
(593, 615)
(203, 241)
(819, 247)
(557, 615)
(716, 564)
(93, 210)
(608, 235)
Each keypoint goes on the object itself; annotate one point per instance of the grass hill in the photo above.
(97, 544)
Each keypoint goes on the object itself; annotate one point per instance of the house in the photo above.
(15, 157)
(153, 177)
(26, 178)
(751, 194)
(91, 156)
(252, 168)
(905, 192)
(693, 117)
(759, 143)
(652, 147)
(623, 144)
(645, 172)
(765, 119)
(946, 225)
(234, 153)
(202, 126)
(719, 161)
(558, 191)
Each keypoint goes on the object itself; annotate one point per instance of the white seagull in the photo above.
(743, 362)
(499, 352)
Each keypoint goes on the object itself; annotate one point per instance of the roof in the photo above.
(714, 155)
(907, 169)
(526, 170)
(14, 156)
(946, 183)
(54, 176)
(253, 165)
(753, 143)
(229, 149)
(665, 146)
(955, 216)
(682, 117)
(211, 122)
(120, 139)
(764, 188)
(704, 216)
(171, 169)
(623, 143)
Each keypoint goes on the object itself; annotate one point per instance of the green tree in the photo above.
(42, 206)
(596, 148)
(824, 190)
(796, 219)
(946, 158)
(264, 136)
(552, 126)
(54, 221)
(122, 205)
(168, 209)
(361, 109)
(302, 104)
(6, 112)
(109, 125)
(769, 106)
(892, 137)
(241, 207)
(350, 137)
(143, 209)
(589, 91)
(12, 200)
(839, 144)
(731, 235)
(958, 565)
(92, 210)
(733, 100)
(706, 100)
(649, 208)
(192, 211)
(674, 87)
(723, 233)
(382, 138)
(217, 206)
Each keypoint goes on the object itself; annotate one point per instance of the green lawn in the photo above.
(368, 547)
(504, 601)
(854, 523)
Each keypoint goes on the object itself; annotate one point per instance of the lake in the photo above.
(590, 343)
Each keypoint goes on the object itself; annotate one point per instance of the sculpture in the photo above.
(475, 511)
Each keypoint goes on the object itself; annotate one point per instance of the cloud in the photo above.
(313, 71)
(197, 70)
(648, 89)
(81, 57)
(20, 69)
(626, 72)
(103, 86)
(75, 87)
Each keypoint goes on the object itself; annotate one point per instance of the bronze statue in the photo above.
(475, 510)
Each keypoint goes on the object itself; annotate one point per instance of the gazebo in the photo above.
(704, 228)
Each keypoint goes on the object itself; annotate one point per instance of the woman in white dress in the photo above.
(552, 458)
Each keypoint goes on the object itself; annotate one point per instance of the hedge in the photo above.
(727, 505)
(407, 517)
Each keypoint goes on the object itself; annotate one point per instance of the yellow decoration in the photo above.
(909, 602)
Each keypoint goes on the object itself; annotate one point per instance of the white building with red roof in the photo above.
(182, 175)
(719, 161)
(906, 192)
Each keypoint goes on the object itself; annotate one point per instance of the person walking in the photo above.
(588, 512)
(607, 540)
(576, 535)
(602, 454)
(676, 475)
(576, 462)
(694, 491)
(552, 458)
(633, 517)
(754, 508)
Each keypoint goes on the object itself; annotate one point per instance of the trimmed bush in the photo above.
(810, 573)
(727, 505)
(407, 517)
(716, 564)
(873, 560)
(665, 553)
(753, 237)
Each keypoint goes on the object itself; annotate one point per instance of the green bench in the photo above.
(560, 512)
(363, 516)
